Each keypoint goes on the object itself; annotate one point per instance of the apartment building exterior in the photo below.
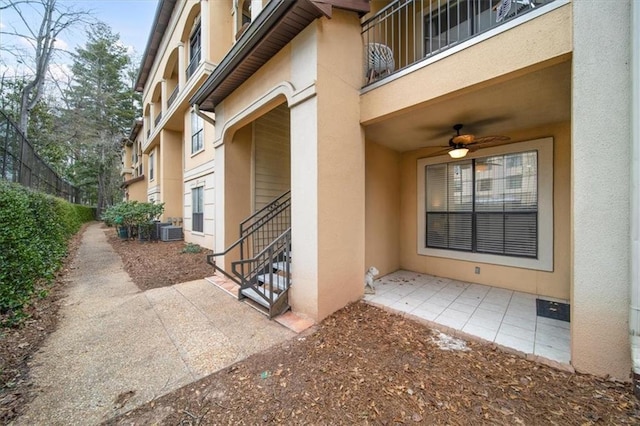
(134, 184)
(350, 105)
(179, 164)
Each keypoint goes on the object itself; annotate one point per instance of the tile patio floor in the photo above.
(505, 317)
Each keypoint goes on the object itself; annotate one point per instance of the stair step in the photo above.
(282, 266)
(257, 297)
(278, 281)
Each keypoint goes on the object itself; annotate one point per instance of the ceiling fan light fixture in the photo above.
(458, 152)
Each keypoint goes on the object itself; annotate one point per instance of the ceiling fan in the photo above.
(461, 144)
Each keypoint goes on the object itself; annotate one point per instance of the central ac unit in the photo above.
(171, 233)
(156, 231)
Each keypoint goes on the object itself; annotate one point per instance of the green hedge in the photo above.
(34, 230)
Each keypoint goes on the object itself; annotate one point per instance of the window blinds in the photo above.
(484, 205)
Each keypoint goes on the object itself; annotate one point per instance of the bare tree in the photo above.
(54, 20)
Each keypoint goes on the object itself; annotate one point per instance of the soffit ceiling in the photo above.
(533, 100)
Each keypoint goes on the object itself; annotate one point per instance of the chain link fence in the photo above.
(20, 163)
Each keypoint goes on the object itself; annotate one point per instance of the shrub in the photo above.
(33, 241)
(134, 216)
(191, 248)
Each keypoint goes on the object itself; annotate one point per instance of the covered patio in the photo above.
(505, 317)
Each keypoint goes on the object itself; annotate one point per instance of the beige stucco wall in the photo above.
(218, 24)
(327, 159)
(192, 161)
(221, 34)
(204, 238)
(238, 104)
(536, 43)
(341, 159)
(169, 173)
(237, 189)
(382, 211)
(553, 284)
(138, 191)
(601, 188)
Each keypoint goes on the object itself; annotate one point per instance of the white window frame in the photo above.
(193, 208)
(197, 133)
(151, 166)
(544, 261)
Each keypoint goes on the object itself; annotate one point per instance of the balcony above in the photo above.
(408, 32)
(515, 76)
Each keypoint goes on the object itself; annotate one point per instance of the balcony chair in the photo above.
(380, 61)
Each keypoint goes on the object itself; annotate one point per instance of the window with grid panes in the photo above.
(197, 133)
(197, 209)
(484, 205)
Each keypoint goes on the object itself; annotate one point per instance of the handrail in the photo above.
(265, 250)
(266, 208)
(211, 261)
(265, 225)
(260, 275)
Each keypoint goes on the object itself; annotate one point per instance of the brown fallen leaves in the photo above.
(366, 366)
(159, 263)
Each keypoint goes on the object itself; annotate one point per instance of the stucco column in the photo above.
(600, 166)
(170, 173)
(163, 94)
(152, 119)
(204, 28)
(327, 168)
(182, 68)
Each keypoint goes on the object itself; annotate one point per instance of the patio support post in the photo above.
(634, 312)
(327, 168)
(600, 179)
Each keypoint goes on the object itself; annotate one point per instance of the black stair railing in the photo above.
(266, 277)
(257, 232)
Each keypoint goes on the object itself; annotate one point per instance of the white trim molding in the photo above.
(544, 261)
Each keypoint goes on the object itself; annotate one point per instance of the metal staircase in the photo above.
(263, 271)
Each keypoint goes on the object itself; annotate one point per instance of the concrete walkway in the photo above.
(116, 347)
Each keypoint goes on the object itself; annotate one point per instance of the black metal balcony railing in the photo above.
(193, 64)
(173, 96)
(158, 118)
(408, 31)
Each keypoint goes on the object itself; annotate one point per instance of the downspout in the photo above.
(634, 312)
(205, 117)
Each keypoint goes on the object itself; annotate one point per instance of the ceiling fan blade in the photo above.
(490, 139)
(439, 152)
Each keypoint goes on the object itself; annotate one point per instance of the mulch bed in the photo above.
(364, 365)
(159, 263)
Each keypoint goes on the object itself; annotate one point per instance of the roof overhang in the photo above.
(278, 23)
(135, 129)
(132, 181)
(160, 24)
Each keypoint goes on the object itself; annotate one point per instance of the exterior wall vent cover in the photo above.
(171, 233)
(554, 310)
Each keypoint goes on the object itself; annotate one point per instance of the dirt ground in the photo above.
(159, 263)
(360, 366)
